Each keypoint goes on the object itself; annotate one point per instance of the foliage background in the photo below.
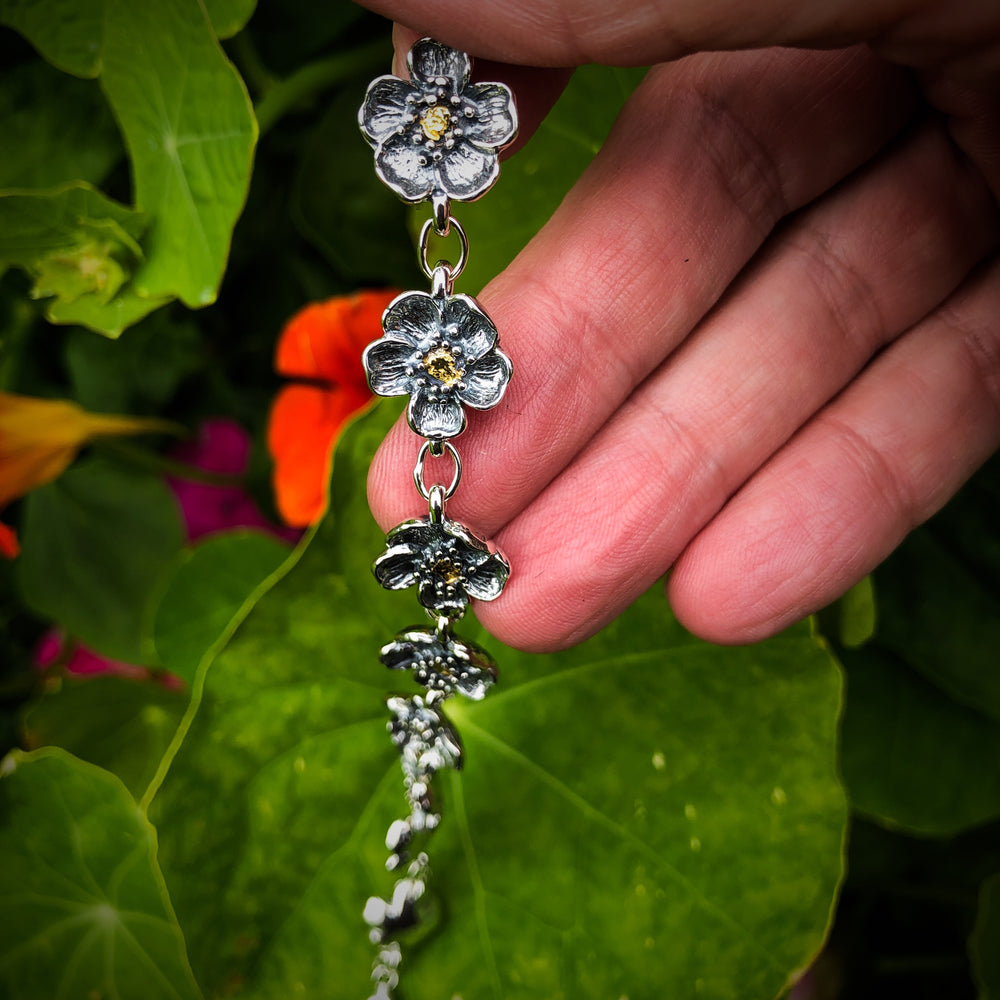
(646, 814)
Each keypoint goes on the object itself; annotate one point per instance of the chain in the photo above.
(442, 350)
(425, 740)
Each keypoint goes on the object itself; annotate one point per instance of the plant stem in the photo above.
(311, 80)
(258, 78)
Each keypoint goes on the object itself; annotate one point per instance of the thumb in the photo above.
(936, 35)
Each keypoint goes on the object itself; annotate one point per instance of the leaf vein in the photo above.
(478, 890)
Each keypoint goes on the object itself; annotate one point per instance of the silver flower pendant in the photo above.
(442, 351)
(437, 135)
(447, 562)
(437, 138)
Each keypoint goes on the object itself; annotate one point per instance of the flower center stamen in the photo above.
(447, 571)
(435, 122)
(440, 363)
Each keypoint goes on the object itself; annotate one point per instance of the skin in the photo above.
(759, 342)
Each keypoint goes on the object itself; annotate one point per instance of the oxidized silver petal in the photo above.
(436, 419)
(450, 600)
(489, 579)
(428, 60)
(386, 363)
(385, 108)
(466, 172)
(486, 381)
(417, 532)
(463, 321)
(396, 568)
(495, 122)
(412, 316)
(406, 168)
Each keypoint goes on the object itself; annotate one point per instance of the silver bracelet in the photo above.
(436, 138)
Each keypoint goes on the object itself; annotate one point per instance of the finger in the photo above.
(973, 120)
(705, 158)
(958, 57)
(535, 90)
(875, 463)
(805, 318)
(621, 32)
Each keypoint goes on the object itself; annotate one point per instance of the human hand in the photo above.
(759, 341)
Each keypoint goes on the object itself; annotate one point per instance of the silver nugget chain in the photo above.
(425, 740)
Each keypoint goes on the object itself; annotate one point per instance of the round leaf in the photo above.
(645, 814)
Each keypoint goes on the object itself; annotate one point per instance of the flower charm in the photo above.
(442, 350)
(437, 135)
(423, 736)
(441, 663)
(448, 563)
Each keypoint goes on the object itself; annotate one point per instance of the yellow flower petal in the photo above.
(40, 437)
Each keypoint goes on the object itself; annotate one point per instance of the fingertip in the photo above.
(725, 587)
(709, 609)
(402, 41)
(536, 633)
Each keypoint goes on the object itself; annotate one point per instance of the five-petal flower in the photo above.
(446, 561)
(442, 351)
(441, 662)
(437, 135)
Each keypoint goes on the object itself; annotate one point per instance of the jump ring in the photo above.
(463, 256)
(418, 469)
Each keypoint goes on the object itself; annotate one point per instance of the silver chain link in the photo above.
(437, 450)
(454, 270)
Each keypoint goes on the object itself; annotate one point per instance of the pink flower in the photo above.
(77, 659)
(222, 447)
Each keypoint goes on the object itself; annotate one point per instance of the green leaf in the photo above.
(229, 16)
(109, 318)
(911, 757)
(215, 582)
(53, 129)
(68, 33)
(983, 948)
(922, 724)
(82, 904)
(857, 613)
(939, 596)
(120, 724)
(80, 248)
(645, 815)
(190, 132)
(185, 117)
(95, 544)
(534, 181)
(138, 373)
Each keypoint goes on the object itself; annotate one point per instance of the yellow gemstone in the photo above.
(441, 364)
(435, 122)
(447, 571)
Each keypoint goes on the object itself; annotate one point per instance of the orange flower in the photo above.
(9, 546)
(40, 437)
(322, 345)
